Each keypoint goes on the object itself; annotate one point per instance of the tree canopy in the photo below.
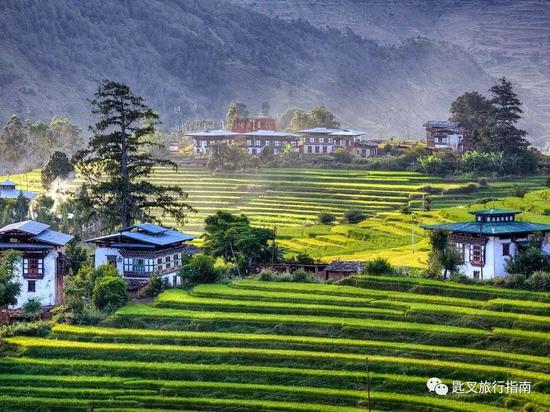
(319, 116)
(9, 287)
(118, 160)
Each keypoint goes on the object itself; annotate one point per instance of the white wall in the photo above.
(101, 254)
(45, 287)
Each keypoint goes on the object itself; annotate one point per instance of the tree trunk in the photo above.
(125, 218)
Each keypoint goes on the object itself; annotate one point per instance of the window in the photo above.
(311, 140)
(325, 149)
(316, 149)
(309, 149)
(140, 265)
(33, 266)
(277, 142)
(321, 140)
(249, 142)
(506, 249)
(254, 151)
(111, 260)
(330, 139)
(176, 258)
(460, 248)
(168, 260)
(31, 286)
(476, 274)
(174, 280)
(476, 255)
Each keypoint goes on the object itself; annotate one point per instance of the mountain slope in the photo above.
(191, 58)
(507, 37)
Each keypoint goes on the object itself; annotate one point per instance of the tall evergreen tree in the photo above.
(21, 208)
(502, 134)
(472, 111)
(12, 140)
(117, 162)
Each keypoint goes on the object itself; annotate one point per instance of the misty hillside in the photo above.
(191, 58)
(507, 37)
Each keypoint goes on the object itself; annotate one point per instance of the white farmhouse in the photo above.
(43, 263)
(139, 251)
(486, 243)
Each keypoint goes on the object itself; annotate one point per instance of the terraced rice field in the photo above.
(291, 198)
(273, 346)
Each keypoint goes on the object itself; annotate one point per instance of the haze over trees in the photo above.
(117, 162)
(186, 71)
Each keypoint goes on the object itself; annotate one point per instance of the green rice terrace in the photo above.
(291, 199)
(275, 346)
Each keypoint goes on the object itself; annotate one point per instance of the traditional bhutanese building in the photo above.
(251, 124)
(204, 141)
(322, 140)
(8, 191)
(139, 251)
(256, 141)
(487, 242)
(42, 264)
(445, 135)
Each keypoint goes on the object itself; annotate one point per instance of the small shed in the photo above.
(341, 269)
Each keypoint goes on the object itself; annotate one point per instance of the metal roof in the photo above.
(38, 231)
(489, 212)
(270, 133)
(321, 130)
(28, 226)
(7, 183)
(442, 124)
(346, 266)
(490, 228)
(212, 133)
(146, 233)
(147, 227)
(14, 194)
(347, 132)
(24, 246)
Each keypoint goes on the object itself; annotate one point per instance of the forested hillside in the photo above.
(191, 58)
(507, 37)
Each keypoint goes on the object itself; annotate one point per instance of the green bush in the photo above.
(379, 266)
(326, 218)
(200, 269)
(354, 216)
(41, 329)
(32, 308)
(155, 285)
(268, 275)
(539, 281)
(110, 292)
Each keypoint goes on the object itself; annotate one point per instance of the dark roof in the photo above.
(442, 124)
(490, 228)
(145, 233)
(346, 266)
(488, 212)
(38, 231)
(24, 246)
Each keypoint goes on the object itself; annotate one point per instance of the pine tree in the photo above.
(502, 134)
(13, 140)
(117, 162)
(21, 208)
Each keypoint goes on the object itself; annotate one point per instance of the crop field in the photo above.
(276, 346)
(291, 199)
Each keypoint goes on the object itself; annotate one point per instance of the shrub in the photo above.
(304, 258)
(300, 275)
(267, 275)
(32, 308)
(518, 190)
(539, 281)
(326, 218)
(354, 216)
(110, 292)
(460, 278)
(154, 286)
(378, 266)
(200, 269)
(406, 209)
(41, 329)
